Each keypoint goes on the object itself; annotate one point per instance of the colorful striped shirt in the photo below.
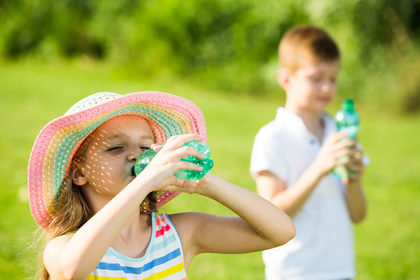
(163, 258)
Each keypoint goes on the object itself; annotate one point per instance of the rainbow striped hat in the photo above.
(56, 144)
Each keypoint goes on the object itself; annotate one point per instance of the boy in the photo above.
(293, 158)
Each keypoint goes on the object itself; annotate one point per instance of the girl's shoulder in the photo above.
(58, 242)
(54, 249)
(187, 223)
(186, 218)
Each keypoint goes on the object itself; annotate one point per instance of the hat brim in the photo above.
(57, 142)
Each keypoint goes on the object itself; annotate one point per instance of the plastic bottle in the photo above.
(190, 175)
(347, 120)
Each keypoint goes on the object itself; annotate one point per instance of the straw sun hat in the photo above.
(53, 150)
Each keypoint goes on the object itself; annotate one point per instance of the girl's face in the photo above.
(112, 151)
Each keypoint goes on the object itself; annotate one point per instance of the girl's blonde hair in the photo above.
(70, 213)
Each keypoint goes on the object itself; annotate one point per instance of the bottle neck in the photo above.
(348, 105)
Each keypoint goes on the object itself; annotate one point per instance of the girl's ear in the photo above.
(78, 177)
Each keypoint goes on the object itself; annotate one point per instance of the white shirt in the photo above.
(323, 245)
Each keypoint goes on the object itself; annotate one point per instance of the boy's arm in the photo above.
(355, 198)
(292, 199)
(356, 202)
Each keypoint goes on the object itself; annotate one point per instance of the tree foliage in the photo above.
(229, 44)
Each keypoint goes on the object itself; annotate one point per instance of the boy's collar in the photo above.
(290, 118)
(295, 123)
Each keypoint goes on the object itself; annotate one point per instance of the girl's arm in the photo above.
(75, 257)
(260, 225)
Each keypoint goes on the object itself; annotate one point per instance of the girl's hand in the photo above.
(335, 148)
(355, 166)
(159, 173)
(205, 186)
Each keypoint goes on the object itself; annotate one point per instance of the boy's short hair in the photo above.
(306, 42)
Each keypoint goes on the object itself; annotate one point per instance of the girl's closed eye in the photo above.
(114, 149)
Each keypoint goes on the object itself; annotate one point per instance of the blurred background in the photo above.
(222, 55)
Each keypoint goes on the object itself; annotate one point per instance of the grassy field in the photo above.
(387, 242)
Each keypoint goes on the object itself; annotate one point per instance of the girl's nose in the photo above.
(132, 157)
(134, 154)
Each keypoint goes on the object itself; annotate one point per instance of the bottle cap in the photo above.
(348, 104)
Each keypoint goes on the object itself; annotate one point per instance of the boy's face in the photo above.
(312, 86)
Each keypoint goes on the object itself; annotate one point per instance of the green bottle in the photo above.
(190, 175)
(347, 120)
(206, 162)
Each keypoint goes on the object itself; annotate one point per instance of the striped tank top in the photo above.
(163, 259)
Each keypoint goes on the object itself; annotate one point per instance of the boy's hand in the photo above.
(355, 166)
(331, 154)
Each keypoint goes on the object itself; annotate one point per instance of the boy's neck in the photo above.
(312, 120)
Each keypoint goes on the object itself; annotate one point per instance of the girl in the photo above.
(102, 221)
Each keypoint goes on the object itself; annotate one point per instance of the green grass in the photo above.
(387, 241)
